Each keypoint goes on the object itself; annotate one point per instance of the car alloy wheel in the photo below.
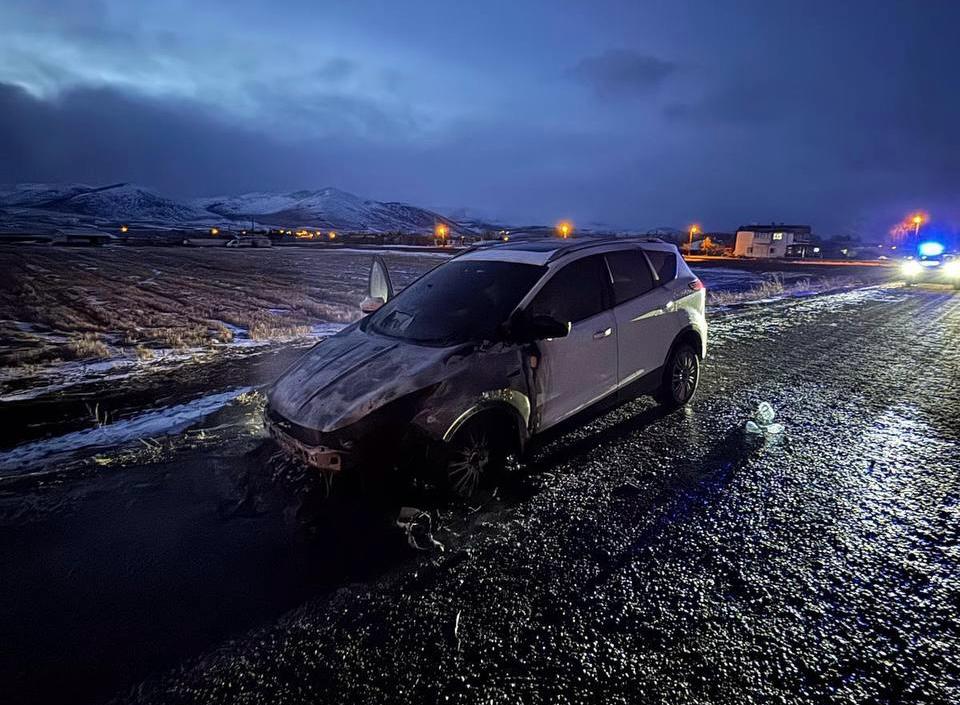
(476, 453)
(684, 376)
(469, 460)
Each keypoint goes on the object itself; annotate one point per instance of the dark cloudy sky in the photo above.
(632, 112)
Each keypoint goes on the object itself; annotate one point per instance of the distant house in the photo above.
(774, 240)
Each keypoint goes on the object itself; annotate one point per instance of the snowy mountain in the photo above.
(34, 195)
(59, 205)
(114, 204)
(325, 208)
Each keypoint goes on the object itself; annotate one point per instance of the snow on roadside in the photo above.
(167, 421)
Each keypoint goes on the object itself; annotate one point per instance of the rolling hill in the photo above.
(51, 206)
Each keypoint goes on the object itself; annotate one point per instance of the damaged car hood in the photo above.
(349, 375)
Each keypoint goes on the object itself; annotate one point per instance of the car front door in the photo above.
(575, 371)
(641, 310)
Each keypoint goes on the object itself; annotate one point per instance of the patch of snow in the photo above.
(325, 330)
(58, 376)
(169, 421)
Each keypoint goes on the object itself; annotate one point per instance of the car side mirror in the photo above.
(539, 327)
(371, 304)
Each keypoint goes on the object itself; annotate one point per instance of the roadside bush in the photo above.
(87, 345)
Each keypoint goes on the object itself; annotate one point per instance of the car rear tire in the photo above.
(475, 455)
(681, 377)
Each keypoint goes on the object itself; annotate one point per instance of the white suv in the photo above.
(468, 363)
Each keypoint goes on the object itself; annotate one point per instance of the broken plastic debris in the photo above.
(762, 421)
(765, 414)
(419, 527)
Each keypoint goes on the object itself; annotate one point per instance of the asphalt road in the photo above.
(638, 558)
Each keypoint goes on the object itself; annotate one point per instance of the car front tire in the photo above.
(475, 455)
(681, 377)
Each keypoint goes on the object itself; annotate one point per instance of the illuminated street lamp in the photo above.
(124, 228)
(917, 222)
(332, 235)
(441, 233)
(564, 229)
(694, 230)
(214, 231)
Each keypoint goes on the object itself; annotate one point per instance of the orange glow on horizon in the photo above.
(909, 227)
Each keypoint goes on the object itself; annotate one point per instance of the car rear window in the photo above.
(631, 275)
(664, 264)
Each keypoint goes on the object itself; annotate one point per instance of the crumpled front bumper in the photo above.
(320, 456)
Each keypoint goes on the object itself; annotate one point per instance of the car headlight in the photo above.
(911, 268)
(952, 268)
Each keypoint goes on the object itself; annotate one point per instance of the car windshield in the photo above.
(461, 301)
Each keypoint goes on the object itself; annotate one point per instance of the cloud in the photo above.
(621, 73)
(335, 70)
(102, 135)
(182, 149)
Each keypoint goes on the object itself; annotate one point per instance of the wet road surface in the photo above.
(639, 558)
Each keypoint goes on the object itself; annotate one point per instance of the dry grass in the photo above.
(92, 303)
(774, 287)
(87, 345)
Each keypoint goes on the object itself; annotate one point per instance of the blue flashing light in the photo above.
(930, 249)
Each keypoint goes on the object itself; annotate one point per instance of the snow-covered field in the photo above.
(67, 316)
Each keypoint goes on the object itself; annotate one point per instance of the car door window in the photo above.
(574, 293)
(630, 273)
(664, 264)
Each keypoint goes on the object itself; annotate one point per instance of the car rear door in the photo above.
(581, 368)
(641, 307)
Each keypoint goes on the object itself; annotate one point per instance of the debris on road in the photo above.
(762, 421)
(628, 489)
(456, 630)
(419, 527)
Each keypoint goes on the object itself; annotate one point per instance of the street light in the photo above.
(441, 232)
(917, 222)
(124, 228)
(694, 230)
(564, 229)
(214, 231)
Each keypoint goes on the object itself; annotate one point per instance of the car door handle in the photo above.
(601, 334)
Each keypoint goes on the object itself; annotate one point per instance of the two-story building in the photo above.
(774, 240)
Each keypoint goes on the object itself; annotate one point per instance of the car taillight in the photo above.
(696, 285)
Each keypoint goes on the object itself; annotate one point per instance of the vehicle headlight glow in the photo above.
(930, 249)
(952, 268)
(911, 268)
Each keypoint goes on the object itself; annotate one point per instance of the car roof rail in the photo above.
(479, 245)
(596, 241)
